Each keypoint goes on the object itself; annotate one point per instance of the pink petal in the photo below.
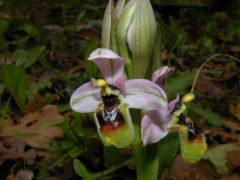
(172, 104)
(111, 66)
(144, 94)
(153, 124)
(86, 98)
(160, 74)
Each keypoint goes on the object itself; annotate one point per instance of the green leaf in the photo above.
(15, 80)
(30, 30)
(25, 59)
(179, 83)
(67, 144)
(218, 157)
(67, 130)
(76, 152)
(19, 57)
(168, 149)
(40, 86)
(90, 68)
(33, 55)
(1, 89)
(80, 169)
(3, 26)
(113, 156)
(210, 116)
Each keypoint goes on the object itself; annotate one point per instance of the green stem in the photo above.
(63, 157)
(152, 161)
(109, 171)
(146, 159)
(138, 153)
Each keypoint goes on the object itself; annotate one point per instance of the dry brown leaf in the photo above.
(14, 152)
(47, 156)
(222, 71)
(205, 86)
(22, 175)
(36, 129)
(233, 159)
(230, 124)
(185, 171)
(34, 103)
(225, 136)
(235, 48)
(231, 177)
(235, 108)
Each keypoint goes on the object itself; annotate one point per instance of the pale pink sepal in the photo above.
(153, 124)
(144, 94)
(160, 74)
(111, 65)
(86, 98)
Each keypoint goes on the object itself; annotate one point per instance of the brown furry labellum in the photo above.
(109, 117)
(194, 133)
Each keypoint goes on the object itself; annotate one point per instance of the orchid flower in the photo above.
(154, 123)
(192, 140)
(110, 98)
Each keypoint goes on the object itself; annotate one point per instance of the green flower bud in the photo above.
(136, 32)
(106, 25)
(108, 28)
(141, 36)
(130, 30)
(123, 24)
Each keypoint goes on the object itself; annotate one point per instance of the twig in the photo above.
(103, 173)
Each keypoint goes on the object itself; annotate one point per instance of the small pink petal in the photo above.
(160, 74)
(111, 65)
(144, 94)
(153, 128)
(86, 98)
(153, 124)
(171, 104)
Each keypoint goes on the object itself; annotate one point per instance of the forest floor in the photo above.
(44, 47)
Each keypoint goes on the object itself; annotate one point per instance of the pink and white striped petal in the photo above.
(86, 98)
(111, 65)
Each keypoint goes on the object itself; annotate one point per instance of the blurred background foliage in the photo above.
(44, 46)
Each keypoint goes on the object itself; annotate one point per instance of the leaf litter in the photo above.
(35, 129)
